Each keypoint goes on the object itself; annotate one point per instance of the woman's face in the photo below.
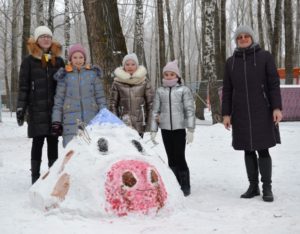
(244, 40)
(130, 66)
(169, 75)
(77, 60)
(45, 42)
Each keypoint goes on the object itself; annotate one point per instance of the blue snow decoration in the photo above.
(105, 116)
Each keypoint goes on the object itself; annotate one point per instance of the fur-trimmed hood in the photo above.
(122, 74)
(37, 52)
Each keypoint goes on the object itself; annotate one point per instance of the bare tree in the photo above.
(139, 32)
(161, 34)
(209, 63)
(14, 55)
(26, 26)
(289, 40)
(51, 14)
(223, 36)
(170, 31)
(5, 29)
(40, 12)
(277, 30)
(201, 95)
(260, 25)
(106, 40)
(67, 27)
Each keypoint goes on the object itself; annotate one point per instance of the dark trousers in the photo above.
(37, 147)
(174, 142)
(261, 153)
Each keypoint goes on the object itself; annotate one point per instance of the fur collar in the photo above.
(141, 72)
(37, 52)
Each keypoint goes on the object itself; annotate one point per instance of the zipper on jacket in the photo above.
(48, 91)
(79, 87)
(247, 97)
(170, 108)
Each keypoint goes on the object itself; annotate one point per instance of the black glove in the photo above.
(20, 116)
(56, 129)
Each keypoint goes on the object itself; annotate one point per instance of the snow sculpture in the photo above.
(134, 185)
(107, 169)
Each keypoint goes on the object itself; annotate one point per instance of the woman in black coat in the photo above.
(251, 104)
(36, 95)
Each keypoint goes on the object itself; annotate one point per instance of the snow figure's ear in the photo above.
(102, 145)
(138, 145)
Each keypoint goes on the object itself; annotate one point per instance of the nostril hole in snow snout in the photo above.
(102, 145)
(137, 145)
(128, 179)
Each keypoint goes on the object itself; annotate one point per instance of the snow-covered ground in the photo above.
(218, 177)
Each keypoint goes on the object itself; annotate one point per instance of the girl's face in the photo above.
(130, 66)
(244, 40)
(77, 60)
(45, 42)
(169, 75)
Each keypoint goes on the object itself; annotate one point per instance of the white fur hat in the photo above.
(132, 57)
(42, 30)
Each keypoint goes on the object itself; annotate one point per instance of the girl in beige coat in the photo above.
(131, 94)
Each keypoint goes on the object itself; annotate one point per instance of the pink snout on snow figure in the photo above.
(134, 186)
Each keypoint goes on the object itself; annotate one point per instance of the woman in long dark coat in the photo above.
(251, 104)
(36, 95)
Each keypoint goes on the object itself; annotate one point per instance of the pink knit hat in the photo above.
(76, 48)
(173, 67)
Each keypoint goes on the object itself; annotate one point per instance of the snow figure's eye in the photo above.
(153, 177)
(128, 179)
(137, 145)
(102, 145)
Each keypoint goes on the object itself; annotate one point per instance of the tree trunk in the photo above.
(223, 38)
(14, 55)
(277, 30)
(6, 55)
(217, 41)
(26, 26)
(67, 27)
(201, 96)
(139, 32)
(209, 62)
(40, 12)
(269, 21)
(51, 14)
(170, 31)
(260, 27)
(251, 14)
(161, 33)
(106, 39)
(289, 40)
(181, 37)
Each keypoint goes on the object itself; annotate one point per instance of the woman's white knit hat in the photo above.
(244, 29)
(42, 30)
(132, 57)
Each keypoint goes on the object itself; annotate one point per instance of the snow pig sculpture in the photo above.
(107, 169)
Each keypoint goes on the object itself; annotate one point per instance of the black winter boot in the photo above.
(35, 170)
(184, 178)
(265, 167)
(252, 172)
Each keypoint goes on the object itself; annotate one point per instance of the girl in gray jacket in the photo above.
(79, 95)
(174, 112)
